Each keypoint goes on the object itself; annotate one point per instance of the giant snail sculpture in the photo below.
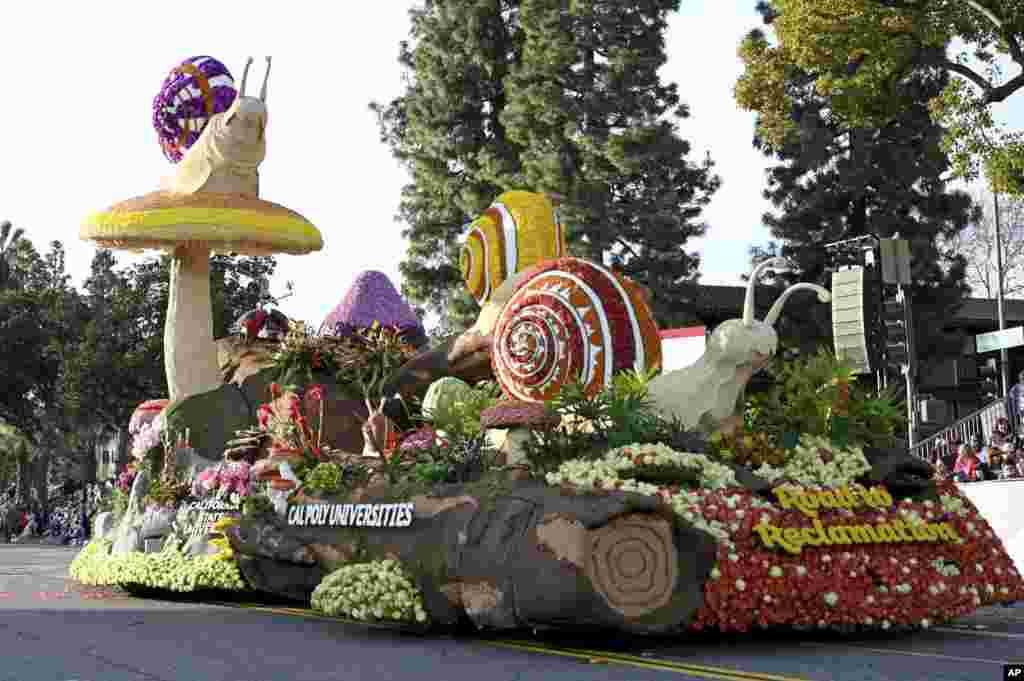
(560, 321)
(545, 317)
(708, 394)
(571, 320)
(227, 155)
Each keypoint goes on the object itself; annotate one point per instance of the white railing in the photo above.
(978, 423)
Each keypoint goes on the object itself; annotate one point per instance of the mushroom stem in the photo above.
(190, 356)
(515, 451)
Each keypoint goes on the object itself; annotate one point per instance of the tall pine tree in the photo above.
(835, 183)
(547, 96)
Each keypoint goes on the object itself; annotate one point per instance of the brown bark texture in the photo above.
(525, 555)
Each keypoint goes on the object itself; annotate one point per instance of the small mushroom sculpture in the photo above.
(519, 418)
(709, 393)
(267, 324)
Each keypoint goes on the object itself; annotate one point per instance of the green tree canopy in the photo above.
(860, 51)
(547, 96)
(835, 182)
(9, 237)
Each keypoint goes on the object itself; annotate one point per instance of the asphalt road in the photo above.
(53, 630)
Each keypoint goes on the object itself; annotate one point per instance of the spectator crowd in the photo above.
(65, 520)
(1001, 458)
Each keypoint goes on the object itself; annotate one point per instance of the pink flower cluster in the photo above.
(866, 585)
(227, 478)
(423, 438)
(149, 435)
(125, 480)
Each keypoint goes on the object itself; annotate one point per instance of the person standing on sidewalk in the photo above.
(1015, 405)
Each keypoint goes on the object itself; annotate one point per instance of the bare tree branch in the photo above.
(969, 74)
(977, 244)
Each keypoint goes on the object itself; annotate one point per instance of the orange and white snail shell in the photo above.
(520, 229)
(572, 320)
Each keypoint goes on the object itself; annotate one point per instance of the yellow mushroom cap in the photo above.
(224, 223)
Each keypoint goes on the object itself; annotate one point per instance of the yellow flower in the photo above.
(224, 523)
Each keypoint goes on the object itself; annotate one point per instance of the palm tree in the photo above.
(9, 238)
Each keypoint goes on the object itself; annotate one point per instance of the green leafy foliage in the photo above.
(118, 503)
(360, 364)
(432, 472)
(460, 418)
(833, 180)
(256, 504)
(859, 52)
(803, 398)
(617, 416)
(324, 478)
(371, 357)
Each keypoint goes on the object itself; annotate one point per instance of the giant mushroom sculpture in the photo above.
(210, 205)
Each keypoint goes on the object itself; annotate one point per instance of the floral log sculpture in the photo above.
(531, 556)
(636, 523)
(211, 203)
(709, 393)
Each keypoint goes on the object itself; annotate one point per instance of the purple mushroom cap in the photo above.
(373, 298)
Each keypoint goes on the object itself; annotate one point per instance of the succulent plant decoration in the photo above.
(709, 393)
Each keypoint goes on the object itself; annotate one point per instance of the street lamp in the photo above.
(1000, 302)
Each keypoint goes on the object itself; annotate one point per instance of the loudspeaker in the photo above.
(934, 411)
(851, 318)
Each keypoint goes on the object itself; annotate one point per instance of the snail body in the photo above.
(227, 155)
(570, 319)
(708, 394)
(518, 230)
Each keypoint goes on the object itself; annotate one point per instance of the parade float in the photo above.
(538, 471)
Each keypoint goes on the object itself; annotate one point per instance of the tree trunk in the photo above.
(40, 471)
(123, 454)
(87, 458)
(506, 555)
(24, 477)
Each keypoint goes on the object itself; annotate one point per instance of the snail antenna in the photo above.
(773, 314)
(245, 77)
(748, 303)
(266, 77)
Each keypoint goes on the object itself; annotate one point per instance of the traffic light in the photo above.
(988, 372)
(897, 350)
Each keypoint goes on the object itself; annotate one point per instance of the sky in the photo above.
(78, 136)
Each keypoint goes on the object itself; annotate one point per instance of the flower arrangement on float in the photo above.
(224, 479)
(378, 591)
(909, 577)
